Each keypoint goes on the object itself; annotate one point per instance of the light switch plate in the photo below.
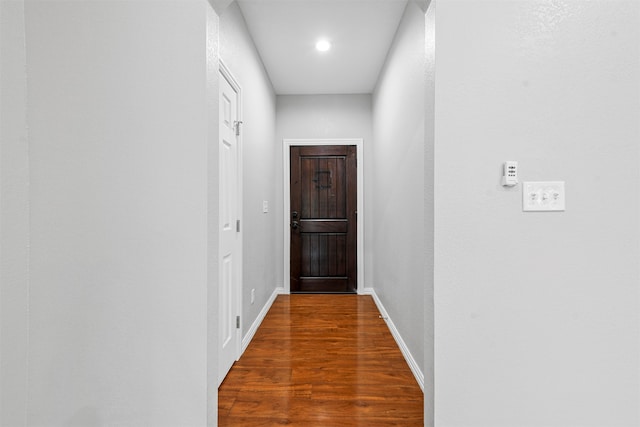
(544, 196)
(265, 206)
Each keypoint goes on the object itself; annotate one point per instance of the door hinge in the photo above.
(237, 322)
(236, 125)
(237, 226)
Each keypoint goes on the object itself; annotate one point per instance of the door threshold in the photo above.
(322, 293)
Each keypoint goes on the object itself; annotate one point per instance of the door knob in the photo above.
(294, 225)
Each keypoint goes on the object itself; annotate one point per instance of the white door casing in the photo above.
(230, 279)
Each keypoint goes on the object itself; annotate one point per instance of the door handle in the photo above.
(294, 225)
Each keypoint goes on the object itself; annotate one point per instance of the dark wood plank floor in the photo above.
(321, 360)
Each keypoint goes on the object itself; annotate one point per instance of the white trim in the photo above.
(256, 324)
(228, 75)
(413, 365)
(286, 146)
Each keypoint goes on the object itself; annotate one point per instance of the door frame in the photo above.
(225, 73)
(286, 151)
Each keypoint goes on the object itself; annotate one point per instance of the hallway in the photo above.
(110, 219)
(321, 360)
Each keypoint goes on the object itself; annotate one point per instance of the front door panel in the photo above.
(323, 219)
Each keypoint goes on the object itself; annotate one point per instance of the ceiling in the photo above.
(285, 33)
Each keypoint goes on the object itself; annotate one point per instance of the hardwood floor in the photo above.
(321, 360)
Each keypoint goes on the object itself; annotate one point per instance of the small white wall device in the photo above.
(510, 174)
(543, 196)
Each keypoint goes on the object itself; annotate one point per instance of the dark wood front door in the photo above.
(323, 219)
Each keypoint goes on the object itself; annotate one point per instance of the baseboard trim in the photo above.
(413, 365)
(256, 324)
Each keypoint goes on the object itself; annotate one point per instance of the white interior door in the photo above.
(230, 249)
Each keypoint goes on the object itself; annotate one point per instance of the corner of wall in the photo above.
(213, 117)
(14, 216)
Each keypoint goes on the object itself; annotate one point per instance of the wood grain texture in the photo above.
(321, 360)
(323, 204)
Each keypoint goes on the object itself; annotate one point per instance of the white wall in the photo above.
(327, 117)
(118, 145)
(537, 313)
(429, 208)
(399, 243)
(260, 257)
(14, 215)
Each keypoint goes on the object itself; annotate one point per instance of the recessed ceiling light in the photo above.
(323, 45)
